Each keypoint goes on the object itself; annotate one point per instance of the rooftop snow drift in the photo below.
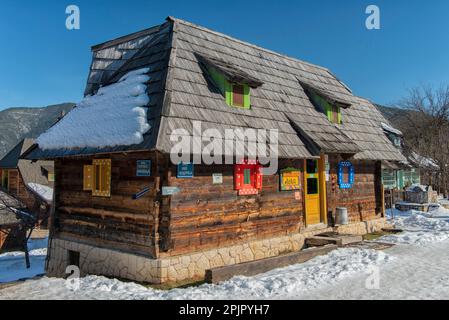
(114, 116)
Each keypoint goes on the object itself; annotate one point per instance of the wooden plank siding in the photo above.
(202, 215)
(116, 221)
(363, 199)
(205, 216)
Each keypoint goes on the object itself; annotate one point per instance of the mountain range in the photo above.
(19, 123)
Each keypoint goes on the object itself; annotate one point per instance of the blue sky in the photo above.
(43, 63)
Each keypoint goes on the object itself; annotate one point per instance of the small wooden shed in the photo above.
(29, 181)
(127, 210)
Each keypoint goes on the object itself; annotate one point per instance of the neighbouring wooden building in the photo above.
(414, 170)
(29, 181)
(12, 234)
(129, 211)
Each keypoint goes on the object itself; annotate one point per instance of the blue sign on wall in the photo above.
(185, 170)
(341, 167)
(143, 168)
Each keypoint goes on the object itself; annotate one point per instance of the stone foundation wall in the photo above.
(172, 269)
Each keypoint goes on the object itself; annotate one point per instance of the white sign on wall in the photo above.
(217, 178)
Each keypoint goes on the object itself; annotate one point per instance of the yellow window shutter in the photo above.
(88, 178)
(102, 178)
(106, 178)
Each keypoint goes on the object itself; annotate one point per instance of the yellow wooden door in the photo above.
(312, 192)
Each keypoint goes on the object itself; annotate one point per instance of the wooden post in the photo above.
(382, 188)
(322, 187)
(392, 203)
(156, 209)
(51, 218)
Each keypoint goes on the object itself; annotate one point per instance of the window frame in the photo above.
(227, 89)
(255, 184)
(97, 177)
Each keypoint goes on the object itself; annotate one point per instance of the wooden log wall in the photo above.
(204, 215)
(14, 182)
(114, 222)
(363, 199)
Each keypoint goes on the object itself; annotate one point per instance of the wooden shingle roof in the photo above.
(182, 93)
(31, 171)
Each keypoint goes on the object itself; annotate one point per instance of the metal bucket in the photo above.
(341, 216)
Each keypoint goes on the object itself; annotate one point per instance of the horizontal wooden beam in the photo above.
(252, 268)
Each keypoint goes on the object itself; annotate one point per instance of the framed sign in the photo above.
(143, 168)
(185, 170)
(345, 168)
(169, 191)
(290, 179)
(217, 178)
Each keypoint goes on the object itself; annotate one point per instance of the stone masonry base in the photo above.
(192, 266)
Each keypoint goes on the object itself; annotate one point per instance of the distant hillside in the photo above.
(399, 118)
(19, 123)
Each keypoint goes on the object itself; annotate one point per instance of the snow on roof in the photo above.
(43, 191)
(423, 161)
(389, 128)
(113, 117)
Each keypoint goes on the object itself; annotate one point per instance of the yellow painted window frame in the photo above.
(51, 177)
(97, 178)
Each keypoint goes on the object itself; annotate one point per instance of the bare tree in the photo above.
(427, 127)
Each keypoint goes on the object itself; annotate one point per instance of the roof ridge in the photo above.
(125, 38)
(177, 20)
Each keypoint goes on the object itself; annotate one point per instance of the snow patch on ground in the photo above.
(417, 268)
(420, 228)
(13, 267)
(112, 117)
(279, 283)
(44, 191)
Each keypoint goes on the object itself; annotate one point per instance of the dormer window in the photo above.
(332, 111)
(234, 83)
(326, 101)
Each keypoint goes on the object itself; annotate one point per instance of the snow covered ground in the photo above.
(417, 267)
(12, 264)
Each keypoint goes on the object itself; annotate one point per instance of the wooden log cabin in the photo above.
(127, 210)
(31, 182)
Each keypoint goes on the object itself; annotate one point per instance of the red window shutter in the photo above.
(238, 95)
(255, 178)
(259, 177)
(238, 176)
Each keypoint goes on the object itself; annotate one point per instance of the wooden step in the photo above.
(252, 268)
(340, 240)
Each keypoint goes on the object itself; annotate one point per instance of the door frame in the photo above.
(322, 190)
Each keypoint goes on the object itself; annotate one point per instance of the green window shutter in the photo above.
(339, 115)
(228, 93)
(328, 111)
(246, 97)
